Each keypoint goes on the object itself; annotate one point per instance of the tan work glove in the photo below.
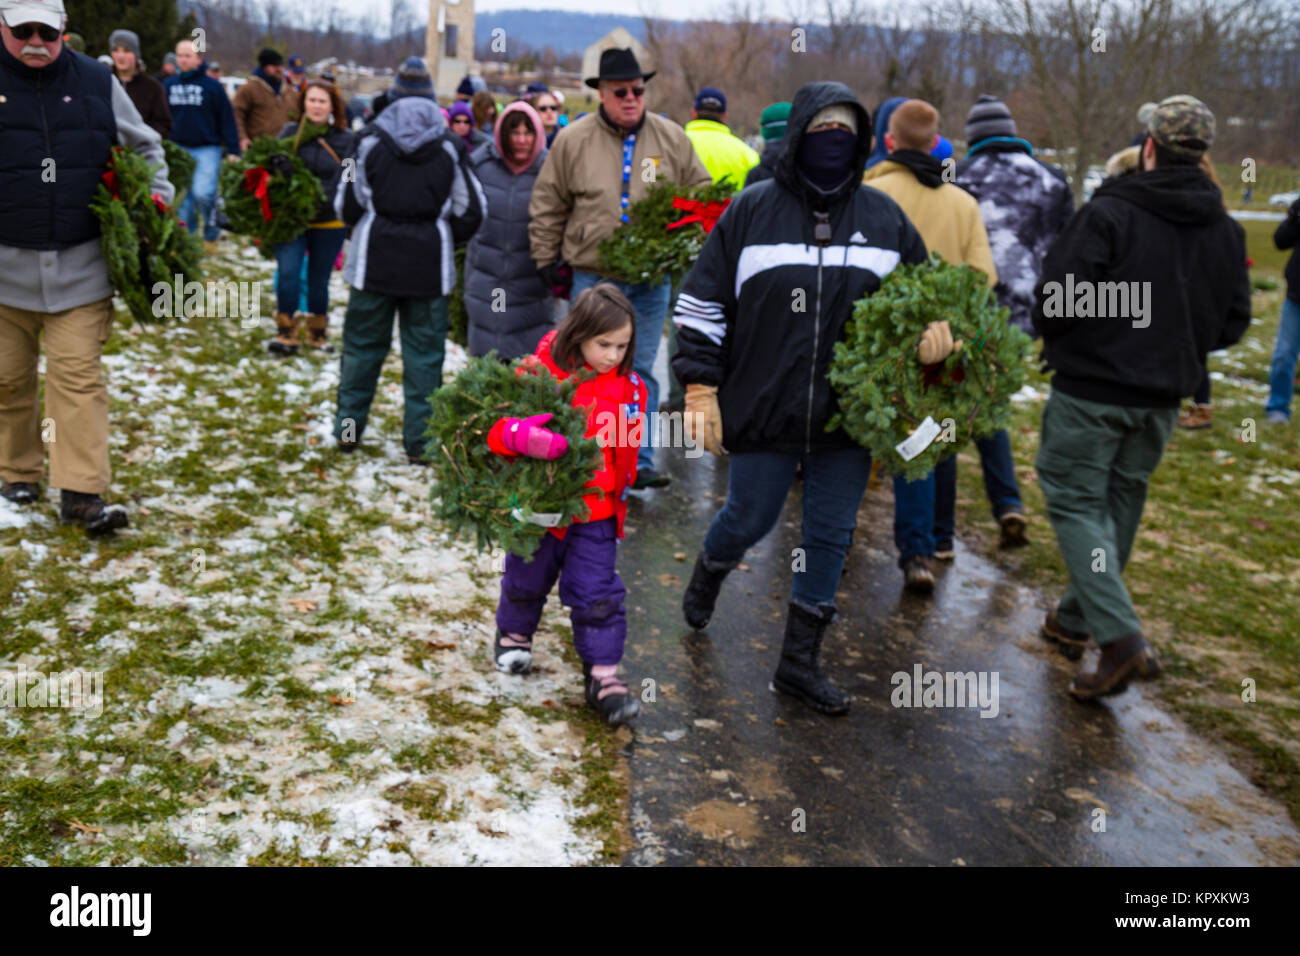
(936, 343)
(703, 419)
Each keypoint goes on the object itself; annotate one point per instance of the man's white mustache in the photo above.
(35, 51)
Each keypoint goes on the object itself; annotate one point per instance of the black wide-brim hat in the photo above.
(618, 64)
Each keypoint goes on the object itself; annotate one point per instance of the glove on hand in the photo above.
(703, 419)
(936, 343)
(526, 436)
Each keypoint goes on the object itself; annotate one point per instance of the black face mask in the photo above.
(826, 158)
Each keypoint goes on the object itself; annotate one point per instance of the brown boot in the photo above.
(286, 335)
(1068, 642)
(1121, 661)
(1196, 416)
(318, 334)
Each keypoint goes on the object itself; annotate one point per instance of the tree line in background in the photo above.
(1073, 72)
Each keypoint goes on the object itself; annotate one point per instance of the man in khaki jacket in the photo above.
(602, 164)
(948, 219)
(262, 104)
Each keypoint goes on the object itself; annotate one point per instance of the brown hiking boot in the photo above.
(1196, 416)
(1121, 661)
(318, 334)
(917, 575)
(286, 335)
(1068, 642)
(1012, 527)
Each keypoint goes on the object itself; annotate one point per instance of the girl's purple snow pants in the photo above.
(584, 563)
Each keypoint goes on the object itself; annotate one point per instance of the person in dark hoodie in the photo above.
(1281, 379)
(758, 318)
(204, 125)
(499, 268)
(411, 198)
(1148, 277)
(772, 125)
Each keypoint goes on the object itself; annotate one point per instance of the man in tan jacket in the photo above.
(262, 104)
(948, 219)
(602, 164)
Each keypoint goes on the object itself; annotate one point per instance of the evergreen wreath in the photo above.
(490, 496)
(885, 393)
(180, 169)
(142, 239)
(269, 193)
(645, 249)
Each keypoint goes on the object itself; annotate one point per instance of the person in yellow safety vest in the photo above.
(723, 155)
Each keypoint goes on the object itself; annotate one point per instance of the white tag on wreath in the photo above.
(919, 440)
(547, 519)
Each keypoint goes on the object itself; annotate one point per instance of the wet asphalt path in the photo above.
(723, 771)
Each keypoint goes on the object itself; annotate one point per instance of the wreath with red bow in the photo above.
(269, 193)
(664, 233)
(143, 241)
(912, 416)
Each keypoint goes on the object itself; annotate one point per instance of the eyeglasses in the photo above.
(459, 119)
(548, 109)
(622, 91)
(24, 31)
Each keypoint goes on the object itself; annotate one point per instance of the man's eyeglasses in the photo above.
(622, 91)
(24, 31)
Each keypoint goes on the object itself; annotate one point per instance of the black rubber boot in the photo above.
(702, 593)
(799, 674)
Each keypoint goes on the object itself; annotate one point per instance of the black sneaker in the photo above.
(513, 655)
(20, 492)
(649, 478)
(943, 550)
(91, 511)
(917, 576)
(610, 698)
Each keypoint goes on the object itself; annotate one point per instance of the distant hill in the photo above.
(565, 32)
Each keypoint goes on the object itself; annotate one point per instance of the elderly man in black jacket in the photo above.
(757, 319)
(1146, 279)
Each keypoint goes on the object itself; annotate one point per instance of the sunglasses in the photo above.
(547, 109)
(24, 31)
(623, 91)
(459, 119)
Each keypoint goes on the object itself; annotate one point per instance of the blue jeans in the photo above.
(321, 247)
(650, 302)
(1281, 377)
(203, 190)
(833, 485)
(925, 510)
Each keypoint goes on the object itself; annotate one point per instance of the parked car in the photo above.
(359, 111)
(1283, 199)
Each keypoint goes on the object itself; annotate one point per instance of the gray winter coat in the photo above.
(498, 258)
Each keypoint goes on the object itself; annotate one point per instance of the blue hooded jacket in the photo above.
(880, 126)
(201, 111)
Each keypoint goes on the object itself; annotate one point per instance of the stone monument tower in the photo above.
(449, 49)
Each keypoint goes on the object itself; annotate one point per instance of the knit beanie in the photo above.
(412, 80)
(835, 113)
(988, 117)
(772, 121)
(127, 39)
(270, 57)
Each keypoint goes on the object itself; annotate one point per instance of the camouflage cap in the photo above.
(1182, 124)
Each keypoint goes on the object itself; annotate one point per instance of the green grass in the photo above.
(1215, 572)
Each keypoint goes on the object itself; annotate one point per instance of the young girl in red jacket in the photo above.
(598, 334)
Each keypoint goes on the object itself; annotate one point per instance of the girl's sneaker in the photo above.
(607, 694)
(514, 655)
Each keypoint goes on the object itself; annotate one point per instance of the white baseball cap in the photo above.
(48, 12)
